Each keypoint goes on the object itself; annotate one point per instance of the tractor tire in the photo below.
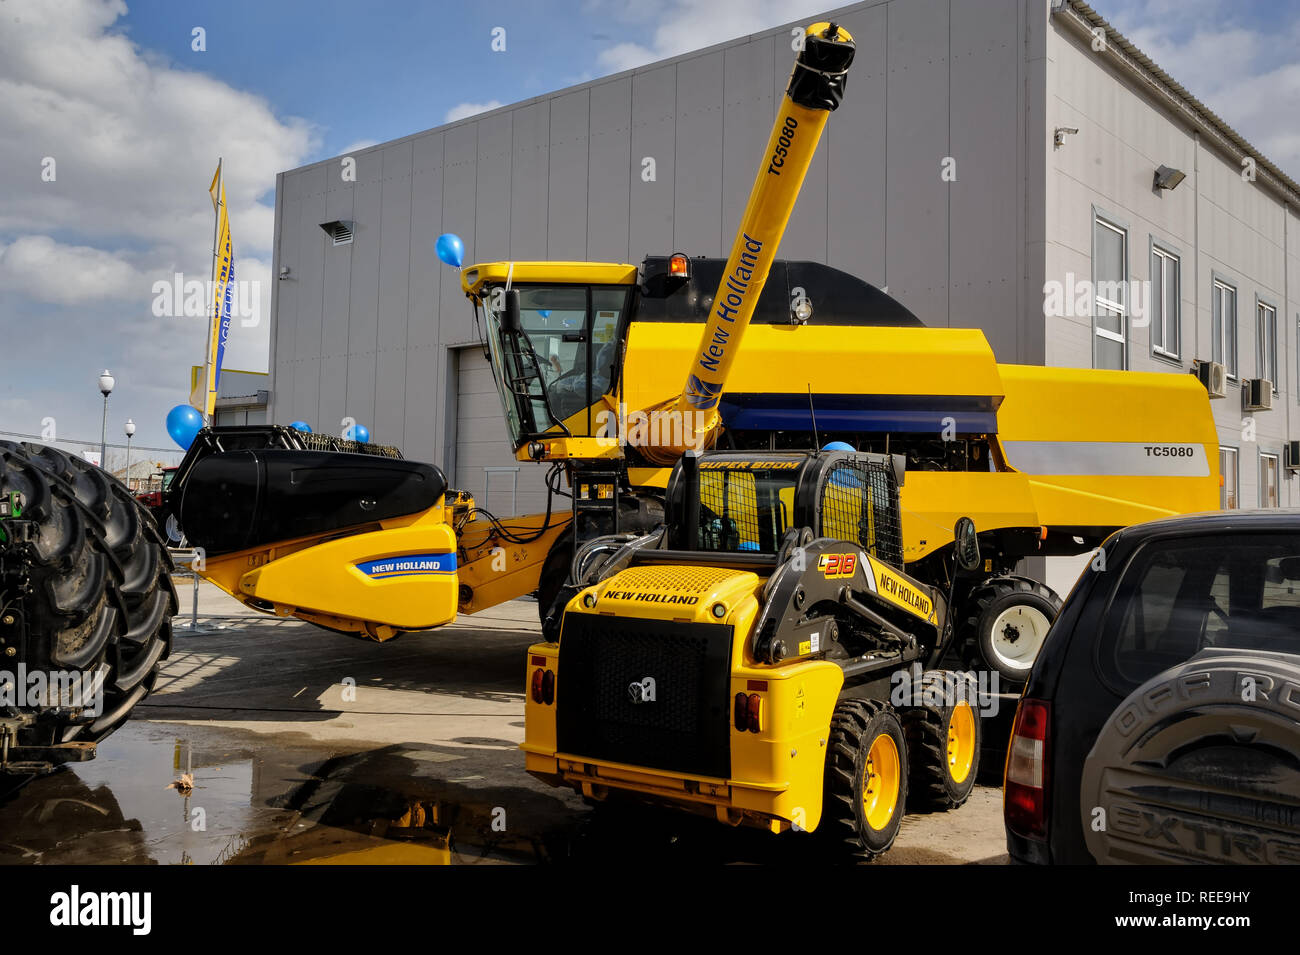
(865, 793)
(943, 741)
(1006, 621)
(550, 586)
(1200, 764)
(99, 598)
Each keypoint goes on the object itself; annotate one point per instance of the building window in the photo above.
(1228, 499)
(1110, 284)
(1268, 480)
(1266, 342)
(1223, 326)
(1165, 304)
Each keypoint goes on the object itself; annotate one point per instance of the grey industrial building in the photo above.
(985, 149)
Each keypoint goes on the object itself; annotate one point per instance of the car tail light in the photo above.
(538, 677)
(1024, 804)
(749, 712)
(548, 687)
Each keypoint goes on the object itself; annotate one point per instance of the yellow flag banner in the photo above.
(223, 286)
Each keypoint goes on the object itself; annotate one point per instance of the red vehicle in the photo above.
(155, 502)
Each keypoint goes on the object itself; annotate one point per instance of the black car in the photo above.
(1161, 721)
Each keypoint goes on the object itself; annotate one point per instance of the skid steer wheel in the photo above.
(943, 741)
(866, 780)
(100, 597)
(1007, 619)
(1200, 764)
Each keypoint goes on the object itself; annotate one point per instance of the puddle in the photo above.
(286, 801)
(382, 806)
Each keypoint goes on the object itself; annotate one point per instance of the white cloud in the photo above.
(37, 267)
(464, 110)
(359, 145)
(134, 140)
(1247, 74)
(680, 26)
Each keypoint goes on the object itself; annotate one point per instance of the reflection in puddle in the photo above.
(154, 796)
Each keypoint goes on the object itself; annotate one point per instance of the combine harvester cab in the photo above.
(348, 536)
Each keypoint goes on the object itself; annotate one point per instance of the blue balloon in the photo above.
(450, 249)
(183, 424)
(301, 426)
(357, 432)
(837, 446)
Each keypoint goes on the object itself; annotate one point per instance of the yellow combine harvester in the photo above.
(590, 360)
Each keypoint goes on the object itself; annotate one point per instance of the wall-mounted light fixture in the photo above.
(1058, 136)
(284, 272)
(1167, 177)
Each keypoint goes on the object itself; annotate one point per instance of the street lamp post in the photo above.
(106, 383)
(130, 430)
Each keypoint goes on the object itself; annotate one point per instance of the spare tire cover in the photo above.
(1200, 764)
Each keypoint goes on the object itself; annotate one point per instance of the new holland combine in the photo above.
(778, 358)
(590, 359)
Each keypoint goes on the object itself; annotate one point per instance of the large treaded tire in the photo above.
(1200, 764)
(986, 604)
(100, 596)
(935, 757)
(844, 828)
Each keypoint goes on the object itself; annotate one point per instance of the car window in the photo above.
(1180, 596)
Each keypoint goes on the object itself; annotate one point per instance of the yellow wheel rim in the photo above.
(880, 783)
(961, 741)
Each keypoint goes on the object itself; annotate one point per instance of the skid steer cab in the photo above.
(760, 657)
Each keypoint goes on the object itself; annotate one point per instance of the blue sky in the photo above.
(113, 92)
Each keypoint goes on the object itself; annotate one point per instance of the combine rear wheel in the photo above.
(866, 779)
(943, 741)
(1006, 623)
(98, 597)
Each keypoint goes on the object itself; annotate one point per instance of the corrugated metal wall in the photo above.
(367, 330)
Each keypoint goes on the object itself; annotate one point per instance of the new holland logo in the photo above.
(408, 565)
(702, 394)
(642, 691)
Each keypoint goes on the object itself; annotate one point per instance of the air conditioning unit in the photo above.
(1214, 377)
(1257, 395)
(1292, 456)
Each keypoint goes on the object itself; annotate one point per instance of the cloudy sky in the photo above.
(111, 123)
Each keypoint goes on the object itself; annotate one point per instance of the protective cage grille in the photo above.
(742, 509)
(859, 502)
(605, 709)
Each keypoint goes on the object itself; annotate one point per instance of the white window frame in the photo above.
(1230, 470)
(1219, 290)
(1101, 220)
(1168, 321)
(1276, 460)
(1266, 342)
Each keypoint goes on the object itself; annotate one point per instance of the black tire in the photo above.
(1200, 765)
(844, 827)
(982, 649)
(550, 585)
(943, 750)
(100, 594)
